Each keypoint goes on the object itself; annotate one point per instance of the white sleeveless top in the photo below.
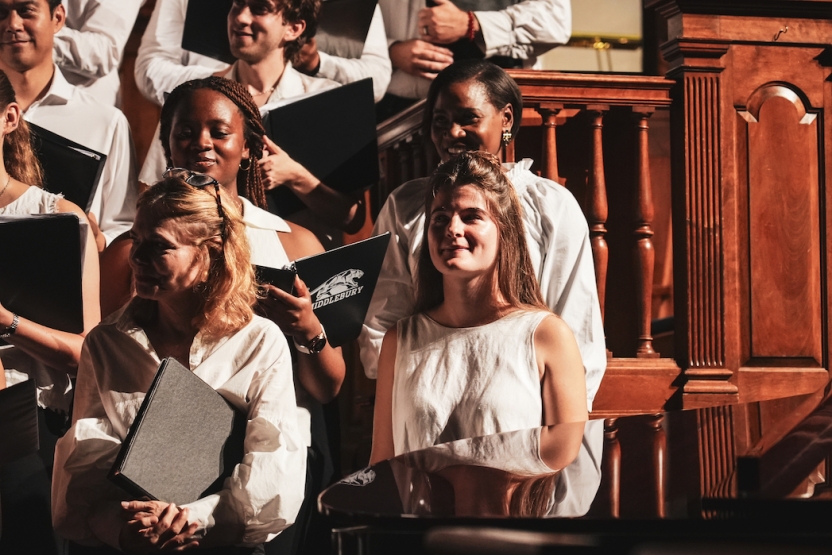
(456, 383)
(54, 388)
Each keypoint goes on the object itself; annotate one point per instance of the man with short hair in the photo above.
(264, 36)
(27, 33)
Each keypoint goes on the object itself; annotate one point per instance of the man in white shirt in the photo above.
(420, 38)
(27, 33)
(162, 63)
(264, 35)
(90, 47)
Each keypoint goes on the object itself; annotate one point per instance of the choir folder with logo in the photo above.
(42, 265)
(185, 441)
(333, 135)
(18, 421)
(342, 28)
(69, 168)
(341, 282)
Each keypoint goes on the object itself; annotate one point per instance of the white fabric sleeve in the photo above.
(374, 61)
(567, 282)
(394, 296)
(83, 457)
(527, 29)
(119, 189)
(161, 63)
(92, 41)
(265, 491)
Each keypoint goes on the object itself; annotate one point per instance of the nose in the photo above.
(203, 141)
(138, 254)
(14, 22)
(455, 227)
(239, 15)
(456, 131)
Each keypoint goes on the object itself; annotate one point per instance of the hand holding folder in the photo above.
(340, 283)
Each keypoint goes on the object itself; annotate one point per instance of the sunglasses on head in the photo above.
(200, 181)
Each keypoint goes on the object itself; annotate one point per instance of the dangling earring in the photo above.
(247, 162)
(506, 136)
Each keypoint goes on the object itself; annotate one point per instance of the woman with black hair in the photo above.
(475, 105)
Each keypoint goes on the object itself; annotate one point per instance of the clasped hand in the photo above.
(154, 526)
(292, 313)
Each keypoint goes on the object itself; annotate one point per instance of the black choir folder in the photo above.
(69, 168)
(333, 135)
(41, 277)
(185, 441)
(341, 282)
(342, 28)
(18, 421)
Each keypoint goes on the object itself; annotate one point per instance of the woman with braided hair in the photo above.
(213, 126)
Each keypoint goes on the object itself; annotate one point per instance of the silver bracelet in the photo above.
(11, 329)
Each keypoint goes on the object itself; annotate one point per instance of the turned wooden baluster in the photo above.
(417, 153)
(611, 466)
(597, 210)
(405, 167)
(644, 254)
(549, 113)
(659, 452)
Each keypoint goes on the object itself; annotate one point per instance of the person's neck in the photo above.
(30, 85)
(174, 318)
(262, 78)
(470, 302)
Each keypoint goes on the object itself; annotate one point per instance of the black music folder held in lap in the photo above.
(185, 441)
(18, 421)
(341, 282)
(342, 28)
(42, 266)
(69, 168)
(333, 135)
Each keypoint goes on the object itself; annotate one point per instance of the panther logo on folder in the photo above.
(337, 288)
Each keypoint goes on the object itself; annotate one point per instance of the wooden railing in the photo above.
(572, 110)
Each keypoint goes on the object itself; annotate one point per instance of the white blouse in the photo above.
(252, 369)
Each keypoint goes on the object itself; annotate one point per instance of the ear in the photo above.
(294, 30)
(11, 118)
(59, 18)
(508, 116)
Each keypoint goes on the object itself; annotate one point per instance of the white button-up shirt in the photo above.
(522, 31)
(251, 369)
(72, 113)
(90, 46)
(162, 64)
(558, 238)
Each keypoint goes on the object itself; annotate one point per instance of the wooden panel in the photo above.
(784, 226)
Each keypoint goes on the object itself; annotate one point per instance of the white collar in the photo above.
(60, 90)
(259, 218)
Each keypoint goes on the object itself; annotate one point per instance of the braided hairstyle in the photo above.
(249, 180)
(18, 155)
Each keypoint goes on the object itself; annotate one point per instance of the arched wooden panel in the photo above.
(784, 225)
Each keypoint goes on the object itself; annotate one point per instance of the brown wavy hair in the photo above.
(249, 182)
(295, 11)
(516, 278)
(230, 289)
(18, 155)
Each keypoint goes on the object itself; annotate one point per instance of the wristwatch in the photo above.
(314, 346)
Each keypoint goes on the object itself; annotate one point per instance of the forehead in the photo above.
(460, 198)
(149, 223)
(207, 105)
(464, 94)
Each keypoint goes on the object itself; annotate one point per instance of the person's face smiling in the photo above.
(208, 135)
(256, 28)
(463, 237)
(165, 264)
(27, 30)
(464, 119)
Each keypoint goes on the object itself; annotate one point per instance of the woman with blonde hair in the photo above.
(195, 289)
(505, 362)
